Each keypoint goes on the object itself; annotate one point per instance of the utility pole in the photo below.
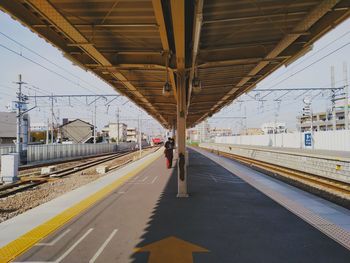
(94, 119)
(346, 95)
(333, 99)
(19, 115)
(140, 135)
(118, 135)
(245, 119)
(52, 119)
(47, 131)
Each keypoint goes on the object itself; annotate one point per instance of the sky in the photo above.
(65, 78)
(62, 77)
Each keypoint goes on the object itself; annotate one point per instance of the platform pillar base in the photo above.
(181, 195)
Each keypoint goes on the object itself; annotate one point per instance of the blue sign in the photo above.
(308, 139)
(19, 105)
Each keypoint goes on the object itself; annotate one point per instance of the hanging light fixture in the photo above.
(196, 83)
(167, 86)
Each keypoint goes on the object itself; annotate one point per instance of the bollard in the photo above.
(9, 167)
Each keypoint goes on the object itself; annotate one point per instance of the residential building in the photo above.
(38, 132)
(115, 132)
(192, 135)
(38, 126)
(76, 131)
(200, 133)
(322, 121)
(274, 127)
(203, 131)
(220, 132)
(8, 127)
(252, 131)
(131, 135)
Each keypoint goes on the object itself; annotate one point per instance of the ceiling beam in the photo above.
(303, 26)
(268, 16)
(178, 18)
(240, 61)
(262, 44)
(197, 28)
(158, 11)
(102, 25)
(49, 12)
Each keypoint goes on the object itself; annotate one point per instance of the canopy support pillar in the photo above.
(181, 134)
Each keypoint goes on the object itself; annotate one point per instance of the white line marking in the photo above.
(74, 245)
(135, 178)
(100, 250)
(144, 179)
(212, 177)
(154, 179)
(53, 242)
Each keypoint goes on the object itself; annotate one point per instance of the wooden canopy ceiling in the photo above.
(229, 45)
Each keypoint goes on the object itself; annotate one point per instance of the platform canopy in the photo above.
(138, 45)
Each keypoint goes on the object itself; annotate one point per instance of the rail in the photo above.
(27, 182)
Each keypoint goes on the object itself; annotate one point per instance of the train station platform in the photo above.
(233, 214)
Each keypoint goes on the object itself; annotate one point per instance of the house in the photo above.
(76, 131)
(115, 132)
(274, 127)
(8, 127)
(38, 132)
(252, 131)
(132, 135)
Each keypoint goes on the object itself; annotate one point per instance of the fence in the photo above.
(40, 153)
(7, 149)
(322, 140)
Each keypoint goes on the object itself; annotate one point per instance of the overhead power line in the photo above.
(46, 59)
(311, 64)
(312, 55)
(44, 67)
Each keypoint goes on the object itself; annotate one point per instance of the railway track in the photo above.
(332, 187)
(27, 182)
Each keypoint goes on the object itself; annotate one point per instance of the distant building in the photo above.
(200, 133)
(192, 135)
(252, 131)
(203, 131)
(8, 127)
(38, 132)
(131, 135)
(322, 121)
(76, 131)
(114, 133)
(220, 132)
(274, 127)
(38, 126)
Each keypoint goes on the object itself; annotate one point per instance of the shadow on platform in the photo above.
(234, 221)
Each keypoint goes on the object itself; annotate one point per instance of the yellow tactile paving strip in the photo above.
(23, 243)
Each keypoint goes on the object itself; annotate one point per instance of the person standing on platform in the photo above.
(168, 152)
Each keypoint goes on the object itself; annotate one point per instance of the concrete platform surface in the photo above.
(224, 220)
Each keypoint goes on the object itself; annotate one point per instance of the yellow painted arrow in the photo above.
(171, 250)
